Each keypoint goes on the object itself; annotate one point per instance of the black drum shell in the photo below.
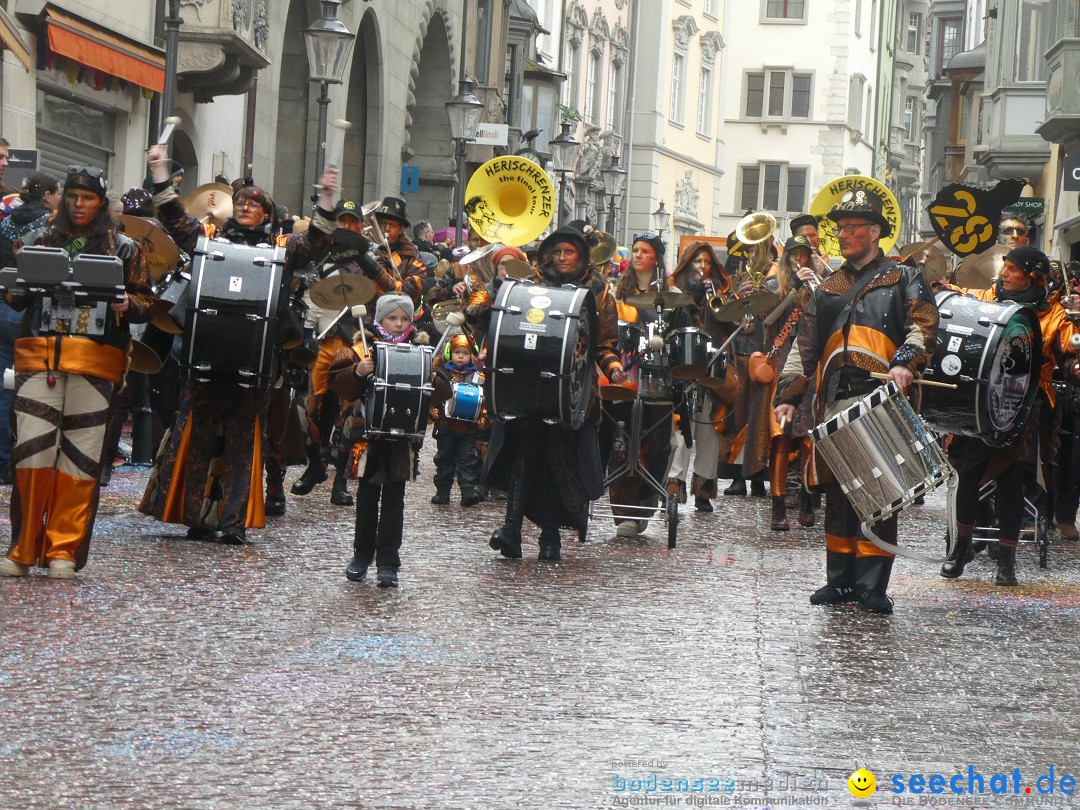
(542, 348)
(399, 399)
(970, 335)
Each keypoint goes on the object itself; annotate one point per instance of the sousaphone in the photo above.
(510, 200)
(832, 195)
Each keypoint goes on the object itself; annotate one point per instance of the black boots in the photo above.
(779, 515)
(840, 575)
(738, 487)
(470, 497)
(274, 505)
(703, 504)
(961, 556)
(441, 497)
(806, 508)
(757, 489)
(1006, 561)
(340, 496)
(357, 567)
(550, 544)
(872, 581)
(314, 475)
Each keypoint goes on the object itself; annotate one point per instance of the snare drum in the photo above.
(466, 401)
(881, 453)
(397, 405)
(630, 338)
(993, 353)
(688, 352)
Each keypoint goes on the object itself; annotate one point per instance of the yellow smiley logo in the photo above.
(862, 783)
(534, 315)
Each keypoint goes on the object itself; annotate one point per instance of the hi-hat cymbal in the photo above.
(339, 291)
(213, 200)
(927, 258)
(159, 250)
(517, 269)
(667, 299)
(479, 253)
(754, 304)
(979, 271)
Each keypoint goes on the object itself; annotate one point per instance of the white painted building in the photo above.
(799, 103)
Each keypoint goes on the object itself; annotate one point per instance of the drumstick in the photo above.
(337, 147)
(783, 421)
(879, 376)
(167, 130)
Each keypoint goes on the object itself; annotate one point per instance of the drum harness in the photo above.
(842, 322)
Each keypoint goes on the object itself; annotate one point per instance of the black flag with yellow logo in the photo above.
(966, 218)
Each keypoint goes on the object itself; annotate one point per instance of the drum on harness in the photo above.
(881, 453)
(397, 405)
(992, 352)
(542, 342)
(466, 401)
(231, 320)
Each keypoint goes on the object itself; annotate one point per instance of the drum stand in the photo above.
(989, 534)
(632, 466)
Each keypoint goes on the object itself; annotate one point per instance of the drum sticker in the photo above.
(950, 363)
(538, 328)
(530, 341)
(959, 330)
(954, 344)
(541, 301)
(534, 315)
(235, 283)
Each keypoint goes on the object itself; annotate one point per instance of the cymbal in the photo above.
(213, 200)
(979, 271)
(754, 304)
(339, 291)
(927, 258)
(159, 250)
(667, 299)
(479, 253)
(517, 269)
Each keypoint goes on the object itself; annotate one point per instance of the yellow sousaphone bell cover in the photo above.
(510, 200)
(833, 194)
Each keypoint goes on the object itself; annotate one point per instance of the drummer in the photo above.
(208, 473)
(1024, 280)
(889, 326)
(646, 274)
(700, 274)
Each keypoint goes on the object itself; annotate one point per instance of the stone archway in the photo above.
(295, 98)
(427, 143)
(364, 141)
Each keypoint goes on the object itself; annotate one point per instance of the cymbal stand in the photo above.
(724, 345)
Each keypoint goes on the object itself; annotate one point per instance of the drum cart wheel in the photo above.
(672, 520)
(986, 535)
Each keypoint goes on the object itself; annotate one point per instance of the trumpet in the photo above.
(373, 232)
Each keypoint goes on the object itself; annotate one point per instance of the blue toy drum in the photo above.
(466, 401)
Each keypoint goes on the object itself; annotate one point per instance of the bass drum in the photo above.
(542, 343)
(993, 354)
(397, 405)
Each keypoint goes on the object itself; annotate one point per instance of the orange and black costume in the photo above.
(64, 384)
(891, 321)
(208, 470)
(456, 438)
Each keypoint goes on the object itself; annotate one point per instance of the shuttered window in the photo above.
(70, 132)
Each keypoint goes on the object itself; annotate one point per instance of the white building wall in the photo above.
(835, 42)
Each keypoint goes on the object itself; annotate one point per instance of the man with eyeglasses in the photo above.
(871, 315)
(1013, 232)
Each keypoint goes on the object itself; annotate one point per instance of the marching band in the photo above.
(552, 380)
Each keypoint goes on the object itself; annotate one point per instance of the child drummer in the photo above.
(386, 464)
(456, 434)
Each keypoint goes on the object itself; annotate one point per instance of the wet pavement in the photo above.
(179, 673)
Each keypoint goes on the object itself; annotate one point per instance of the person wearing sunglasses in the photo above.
(871, 315)
(67, 368)
(204, 476)
(1026, 278)
(1013, 232)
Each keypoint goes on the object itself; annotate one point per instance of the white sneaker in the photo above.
(10, 568)
(628, 528)
(61, 569)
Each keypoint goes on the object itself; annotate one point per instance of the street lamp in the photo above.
(660, 220)
(464, 113)
(563, 151)
(328, 43)
(614, 183)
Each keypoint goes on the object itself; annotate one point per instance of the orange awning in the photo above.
(13, 41)
(97, 48)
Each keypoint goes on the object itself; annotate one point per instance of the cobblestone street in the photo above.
(178, 673)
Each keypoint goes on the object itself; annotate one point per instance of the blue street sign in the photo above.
(410, 179)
